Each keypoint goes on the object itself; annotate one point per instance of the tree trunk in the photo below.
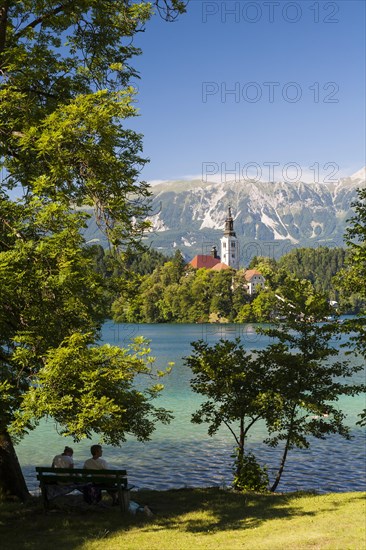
(12, 481)
(240, 452)
(3, 23)
(281, 468)
(284, 456)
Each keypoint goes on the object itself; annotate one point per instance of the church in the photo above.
(229, 251)
(253, 279)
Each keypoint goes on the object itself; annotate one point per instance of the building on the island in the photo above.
(229, 251)
(220, 266)
(229, 244)
(207, 261)
(254, 281)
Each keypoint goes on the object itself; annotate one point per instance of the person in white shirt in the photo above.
(96, 462)
(64, 460)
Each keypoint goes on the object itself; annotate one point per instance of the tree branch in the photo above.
(232, 431)
(42, 18)
(14, 231)
(3, 23)
(254, 420)
(38, 92)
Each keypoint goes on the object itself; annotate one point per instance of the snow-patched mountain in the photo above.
(360, 175)
(190, 215)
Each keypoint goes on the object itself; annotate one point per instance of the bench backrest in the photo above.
(81, 475)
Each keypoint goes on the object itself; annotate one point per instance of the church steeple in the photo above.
(229, 243)
(229, 225)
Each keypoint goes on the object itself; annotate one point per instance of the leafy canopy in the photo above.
(238, 394)
(65, 97)
(307, 376)
(293, 384)
(352, 278)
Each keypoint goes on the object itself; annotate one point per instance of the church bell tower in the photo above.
(229, 244)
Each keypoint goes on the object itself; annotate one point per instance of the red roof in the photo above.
(204, 260)
(250, 274)
(220, 266)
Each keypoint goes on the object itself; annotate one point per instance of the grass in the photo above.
(191, 519)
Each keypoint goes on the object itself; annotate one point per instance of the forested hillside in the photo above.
(175, 292)
(318, 265)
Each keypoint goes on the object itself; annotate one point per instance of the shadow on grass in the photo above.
(71, 523)
(220, 510)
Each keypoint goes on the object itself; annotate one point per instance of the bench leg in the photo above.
(46, 503)
(124, 499)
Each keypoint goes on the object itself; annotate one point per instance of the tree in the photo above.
(127, 307)
(221, 301)
(89, 390)
(64, 145)
(238, 390)
(240, 295)
(195, 295)
(306, 377)
(144, 262)
(318, 265)
(264, 305)
(352, 278)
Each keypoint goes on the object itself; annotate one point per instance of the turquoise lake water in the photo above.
(182, 454)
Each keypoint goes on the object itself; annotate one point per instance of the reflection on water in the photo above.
(182, 454)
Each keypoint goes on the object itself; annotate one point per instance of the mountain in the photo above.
(269, 218)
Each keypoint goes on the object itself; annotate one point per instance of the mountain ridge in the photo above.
(303, 214)
(190, 215)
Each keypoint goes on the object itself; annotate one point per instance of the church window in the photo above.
(232, 245)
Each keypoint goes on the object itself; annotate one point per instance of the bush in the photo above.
(249, 475)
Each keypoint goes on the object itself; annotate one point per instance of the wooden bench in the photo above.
(56, 482)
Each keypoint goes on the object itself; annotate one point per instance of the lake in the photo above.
(182, 454)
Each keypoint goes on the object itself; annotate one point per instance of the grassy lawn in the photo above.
(191, 519)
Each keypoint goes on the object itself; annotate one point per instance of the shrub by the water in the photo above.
(249, 475)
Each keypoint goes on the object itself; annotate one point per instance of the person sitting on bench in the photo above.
(98, 463)
(64, 460)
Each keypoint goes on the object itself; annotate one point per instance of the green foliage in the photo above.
(320, 266)
(144, 262)
(64, 145)
(175, 292)
(352, 277)
(245, 314)
(52, 304)
(64, 97)
(221, 301)
(293, 385)
(362, 421)
(238, 392)
(264, 305)
(307, 377)
(248, 474)
(268, 267)
(317, 265)
(191, 296)
(90, 390)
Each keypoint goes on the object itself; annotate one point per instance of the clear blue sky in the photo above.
(310, 51)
